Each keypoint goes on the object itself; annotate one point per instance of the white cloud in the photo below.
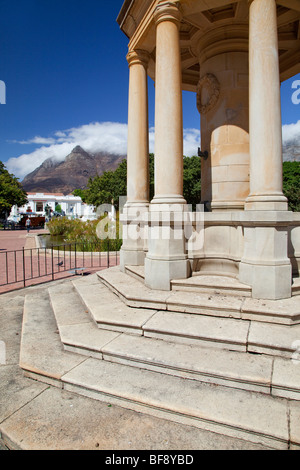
(291, 132)
(37, 140)
(26, 163)
(108, 137)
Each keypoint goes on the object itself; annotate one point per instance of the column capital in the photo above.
(138, 56)
(167, 11)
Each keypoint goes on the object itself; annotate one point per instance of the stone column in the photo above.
(132, 252)
(166, 258)
(265, 110)
(168, 107)
(265, 264)
(223, 102)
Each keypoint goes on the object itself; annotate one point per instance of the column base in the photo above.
(267, 282)
(266, 203)
(133, 250)
(265, 264)
(131, 258)
(225, 206)
(160, 273)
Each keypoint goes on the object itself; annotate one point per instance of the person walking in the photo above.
(28, 223)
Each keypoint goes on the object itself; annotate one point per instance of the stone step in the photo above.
(42, 356)
(200, 283)
(296, 286)
(236, 413)
(134, 293)
(107, 309)
(162, 382)
(78, 332)
(186, 356)
(177, 317)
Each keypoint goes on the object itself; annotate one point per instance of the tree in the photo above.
(58, 208)
(108, 187)
(113, 184)
(291, 184)
(192, 180)
(80, 193)
(11, 192)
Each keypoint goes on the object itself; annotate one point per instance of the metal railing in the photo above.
(31, 266)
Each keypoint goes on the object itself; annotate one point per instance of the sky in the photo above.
(63, 63)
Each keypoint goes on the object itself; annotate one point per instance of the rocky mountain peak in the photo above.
(72, 173)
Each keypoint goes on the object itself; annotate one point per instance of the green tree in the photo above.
(291, 184)
(113, 184)
(11, 192)
(81, 193)
(108, 187)
(58, 208)
(192, 180)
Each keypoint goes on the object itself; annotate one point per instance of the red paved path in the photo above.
(39, 264)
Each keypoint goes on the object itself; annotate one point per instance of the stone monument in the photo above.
(232, 55)
(200, 323)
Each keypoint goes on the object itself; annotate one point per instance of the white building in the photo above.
(72, 206)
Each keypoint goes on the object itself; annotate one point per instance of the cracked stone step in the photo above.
(236, 413)
(232, 369)
(79, 334)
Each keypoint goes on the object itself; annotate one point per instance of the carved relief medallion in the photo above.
(208, 92)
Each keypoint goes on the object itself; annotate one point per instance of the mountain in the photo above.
(72, 173)
(291, 151)
(75, 171)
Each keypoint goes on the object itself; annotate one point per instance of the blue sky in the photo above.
(66, 75)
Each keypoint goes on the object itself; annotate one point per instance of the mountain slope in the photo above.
(73, 173)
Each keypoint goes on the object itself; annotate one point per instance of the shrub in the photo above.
(84, 234)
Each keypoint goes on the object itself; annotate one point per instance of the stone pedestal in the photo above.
(134, 234)
(265, 264)
(167, 254)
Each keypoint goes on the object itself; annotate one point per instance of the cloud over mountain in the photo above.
(109, 137)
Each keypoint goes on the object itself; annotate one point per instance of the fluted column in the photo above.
(132, 251)
(265, 110)
(166, 257)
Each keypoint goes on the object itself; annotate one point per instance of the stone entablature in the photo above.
(200, 25)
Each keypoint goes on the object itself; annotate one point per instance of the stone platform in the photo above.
(217, 362)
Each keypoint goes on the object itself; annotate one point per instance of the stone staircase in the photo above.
(204, 356)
